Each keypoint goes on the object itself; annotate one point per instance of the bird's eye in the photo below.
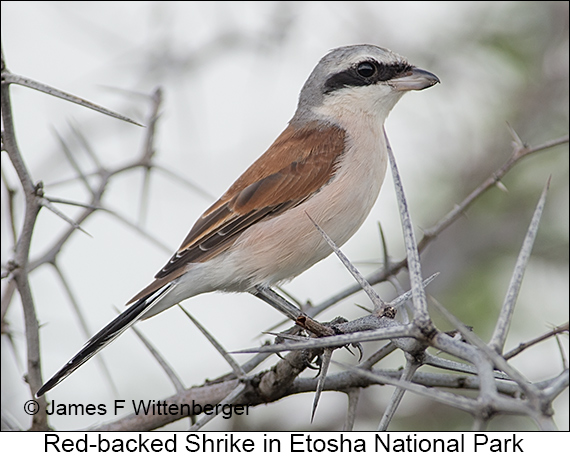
(366, 69)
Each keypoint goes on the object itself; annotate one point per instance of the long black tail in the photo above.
(105, 336)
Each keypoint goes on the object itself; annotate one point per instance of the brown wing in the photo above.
(296, 165)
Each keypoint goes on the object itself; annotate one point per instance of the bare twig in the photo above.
(149, 151)
(495, 358)
(523, 346)
(379, 305)
(82, 322)
(430, 233)
(499, 337)
(22, 252)
(397, 331)
(69, 155)
(47, 204)
(11, 78)
(236, 368)
(168, 370)
(457, 401)
(421, 316)
(519, 153)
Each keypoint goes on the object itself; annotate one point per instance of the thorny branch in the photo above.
(431, 233)
(499, 392)
(19, 264)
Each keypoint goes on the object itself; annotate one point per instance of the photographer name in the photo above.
(148, 407)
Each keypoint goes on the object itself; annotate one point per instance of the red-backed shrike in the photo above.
(329, 163)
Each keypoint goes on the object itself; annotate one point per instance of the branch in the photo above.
(22, 252)
(452, 216)
(11, 78)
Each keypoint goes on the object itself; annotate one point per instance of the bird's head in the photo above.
(361, 80)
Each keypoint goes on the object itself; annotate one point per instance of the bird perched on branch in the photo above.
(329, 164)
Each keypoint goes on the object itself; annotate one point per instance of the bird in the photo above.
(327, 166)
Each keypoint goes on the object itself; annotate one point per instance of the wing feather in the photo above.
(298, 164)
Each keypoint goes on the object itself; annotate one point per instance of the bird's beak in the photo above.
(414, 79)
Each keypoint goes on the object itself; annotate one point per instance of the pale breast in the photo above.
(283, 247)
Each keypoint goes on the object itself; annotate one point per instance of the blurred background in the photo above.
(231, 73)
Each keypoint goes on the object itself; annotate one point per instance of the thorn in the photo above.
(364, 308)
(516, 138)
(501, 186)
(360, 352)
(325, 361)
(384, 248)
